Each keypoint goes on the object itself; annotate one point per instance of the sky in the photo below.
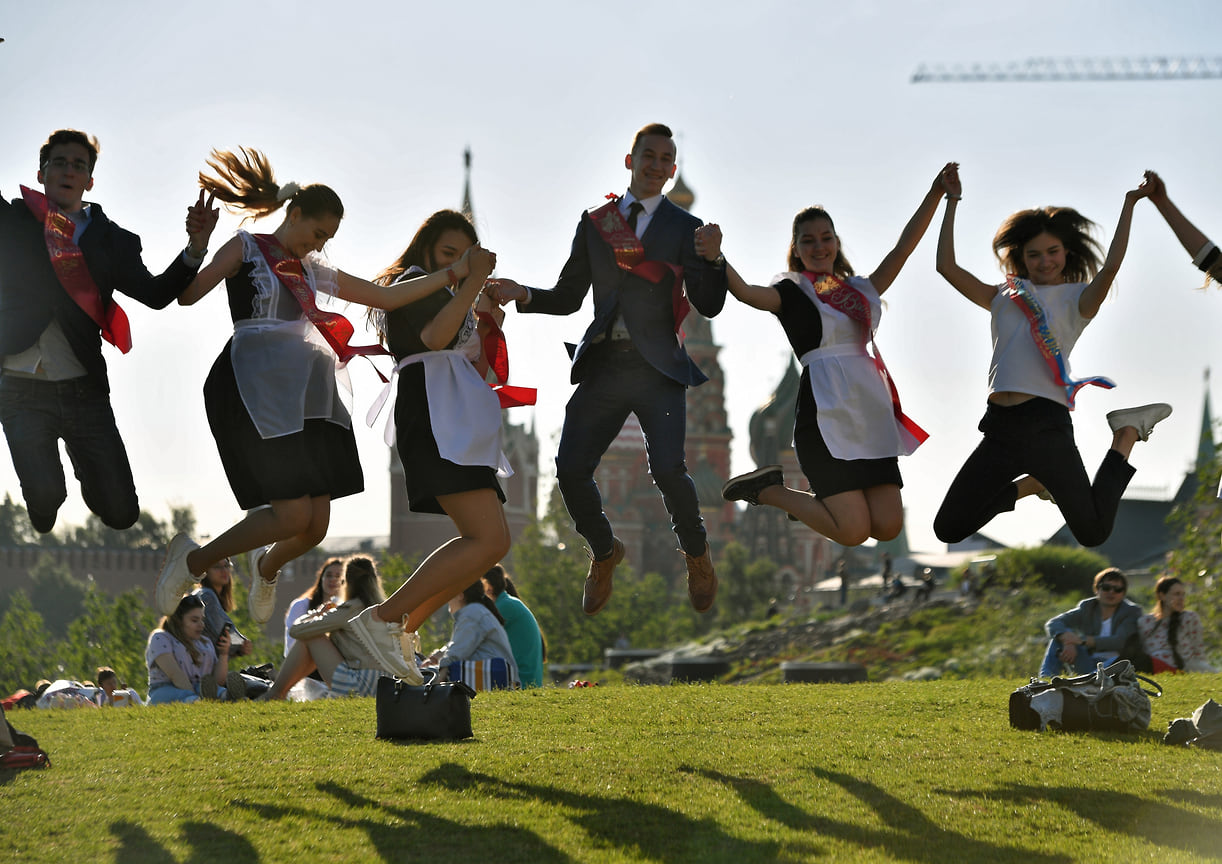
(775, 105)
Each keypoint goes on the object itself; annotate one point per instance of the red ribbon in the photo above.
(69, 264)
(496, 352)
(630, 256)
(336, 330)
(847, 299)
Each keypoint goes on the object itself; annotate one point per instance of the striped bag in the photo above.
(482, 675)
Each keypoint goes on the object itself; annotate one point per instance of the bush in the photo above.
(1060, 569)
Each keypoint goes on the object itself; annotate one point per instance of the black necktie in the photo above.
(634, 210)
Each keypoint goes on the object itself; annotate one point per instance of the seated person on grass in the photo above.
(1094, 631)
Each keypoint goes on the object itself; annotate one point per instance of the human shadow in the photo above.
(634, 829)
(410, 835)
(1155, 822)
(909, 834)
(207, 843)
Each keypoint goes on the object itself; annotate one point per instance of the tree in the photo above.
(15, 527)
(25, 646)
(745, 585)
(111, 632)
(57, 595)
(1197, 559)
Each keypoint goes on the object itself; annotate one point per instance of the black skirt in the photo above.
(320, 460)
(427, 474)
(828, 475)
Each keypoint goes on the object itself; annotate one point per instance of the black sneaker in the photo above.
(747, 487)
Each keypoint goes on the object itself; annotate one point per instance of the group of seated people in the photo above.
(1109, 626)
(189, 654)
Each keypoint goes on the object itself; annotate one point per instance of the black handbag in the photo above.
(434, 710)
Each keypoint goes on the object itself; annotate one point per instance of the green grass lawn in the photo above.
(925, 772)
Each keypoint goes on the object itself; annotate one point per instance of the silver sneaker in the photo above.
(1143, 419)
(394, 650)
(261, 601)
(175, 579)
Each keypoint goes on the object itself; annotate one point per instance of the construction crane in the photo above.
(1074, 69)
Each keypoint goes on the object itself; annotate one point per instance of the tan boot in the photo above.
(701, 580)
(598, 581)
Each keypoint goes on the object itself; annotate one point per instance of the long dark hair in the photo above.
(245, 182)
(225, 592)
(315, 592)
(420, 250)
(840, 267)
(172, 623)
(1161, 588)
(474, 593)
(1083, 254)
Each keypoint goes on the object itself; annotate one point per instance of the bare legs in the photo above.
(293, 527)
(848, 518)
(304, 657)
(483, 540)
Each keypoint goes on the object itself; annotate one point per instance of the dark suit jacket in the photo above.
(1084, 619)
(646, 307)
(31, 295)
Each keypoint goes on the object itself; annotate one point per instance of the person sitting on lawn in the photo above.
(1094, 631)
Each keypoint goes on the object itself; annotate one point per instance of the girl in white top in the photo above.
(1172, 634)
(848, 430)
(1055, 288)
(276, 395)
(327, 587)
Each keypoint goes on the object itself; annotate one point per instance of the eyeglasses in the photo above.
(76, 164)
(1114, 589)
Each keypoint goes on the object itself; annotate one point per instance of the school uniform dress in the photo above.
(845, 431)
(277, 405)
(1034, 437)
(447, 419)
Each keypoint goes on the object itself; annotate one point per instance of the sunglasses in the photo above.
(1115, 589)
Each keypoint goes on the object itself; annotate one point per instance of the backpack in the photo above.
(1110, 699)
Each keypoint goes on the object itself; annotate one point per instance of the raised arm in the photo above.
(1094, 294)
(224, 264)
(357, 290)
(1191, 237)
(439, 332)
(708, 246)
(965, 283)
(890, 267)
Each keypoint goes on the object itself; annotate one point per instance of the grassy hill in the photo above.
(890, 771)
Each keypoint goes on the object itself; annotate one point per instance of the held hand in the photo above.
(948, 180)
(481, 262)
(503, 291)
(708, 241)
(1135, 195)
(1156, 190)
(201, 219)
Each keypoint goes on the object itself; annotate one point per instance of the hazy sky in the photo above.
(777, 105)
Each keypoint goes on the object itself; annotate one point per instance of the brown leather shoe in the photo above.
(598, 581)
(701, 580)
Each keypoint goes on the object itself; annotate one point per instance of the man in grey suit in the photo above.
(638, 253)
(1094, 631)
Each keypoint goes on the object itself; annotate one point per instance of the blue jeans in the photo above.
(35, 415)
(1083, 662)
(621, 382)
(163, 694)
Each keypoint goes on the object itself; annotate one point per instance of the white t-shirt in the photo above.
(1017, 364)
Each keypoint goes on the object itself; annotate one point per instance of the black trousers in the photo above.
(1036, 438)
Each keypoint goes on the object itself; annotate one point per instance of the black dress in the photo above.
(427, 474)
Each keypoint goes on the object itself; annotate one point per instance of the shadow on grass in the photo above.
(422, 836)
(909, 835)
(207, 843)
(1125, 813)
(634, 829)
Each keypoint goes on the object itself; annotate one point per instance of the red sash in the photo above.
(335, 328)
(630, 256)
(496, 351)
(69, 264)
(845, 298)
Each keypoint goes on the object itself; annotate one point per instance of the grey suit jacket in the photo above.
(1085, 620)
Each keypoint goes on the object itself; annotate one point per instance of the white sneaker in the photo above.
(261, 601)
(393, 649)
(1143, 419)
(175, 580)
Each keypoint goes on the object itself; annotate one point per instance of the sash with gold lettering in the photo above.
(69, 264)
(1041, 332)
(846, 299)
(335, 328)
(630, 256)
